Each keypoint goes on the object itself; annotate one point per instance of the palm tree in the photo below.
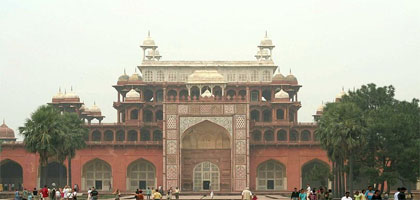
(73, 139)
(42, 132)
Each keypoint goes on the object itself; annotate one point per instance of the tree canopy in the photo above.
(369, 128)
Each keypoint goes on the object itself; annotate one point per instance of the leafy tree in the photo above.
(73, 139)
(42, 132)
(341, 132)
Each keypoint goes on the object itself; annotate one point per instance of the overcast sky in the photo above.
(328, 44)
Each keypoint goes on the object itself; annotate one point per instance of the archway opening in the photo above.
(97, 173)
(141, 174)
(315, 173)
(11, 175)
(271, 175)
(205, 142)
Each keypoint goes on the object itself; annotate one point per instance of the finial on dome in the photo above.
(290, 70)
(94, 103)
(65, 91)
(71, 88)
(59, 89)
(148, 33)
(266, 35)
(125, 73)
(4, 122)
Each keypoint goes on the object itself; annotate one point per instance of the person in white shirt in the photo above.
(89, 195)
(397, 193)
(246, 194)
(347, 197)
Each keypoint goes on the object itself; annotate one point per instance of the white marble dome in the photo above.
(132, 94)
(281, 95)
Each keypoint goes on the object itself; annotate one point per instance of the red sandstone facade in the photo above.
(198, 126)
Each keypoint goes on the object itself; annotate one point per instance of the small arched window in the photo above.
(266, 76)
(255, 115)
(147, 116)
(280, 114)
(255, 95)
(281, 135)
(159, 115)
(305, 135)
(269, 135)
(96, 135)
(134, 114)
(144, 135)
(267, 116)
(254, 76)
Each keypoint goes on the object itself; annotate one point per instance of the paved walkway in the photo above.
(221, 197)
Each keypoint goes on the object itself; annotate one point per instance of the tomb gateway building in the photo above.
(196, 125)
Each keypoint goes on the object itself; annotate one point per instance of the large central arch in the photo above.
(205, 155)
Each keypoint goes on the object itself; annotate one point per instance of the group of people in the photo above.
(323, 194)
(66, 193)
(156, 194)
(311, 194)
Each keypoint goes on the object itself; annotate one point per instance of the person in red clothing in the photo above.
(44, 192)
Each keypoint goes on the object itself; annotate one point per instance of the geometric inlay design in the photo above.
(240, 184)
(171, 134)
(194, 109)
(240, 171)
(240, 121)
(241, 159)
(171, 172)
(217, 109)
(229, 109)
(205, 109)
(171, 121)
(186, 122)
(240, 147)
(171, 159)
(183, 109)
(171, 146)
(240, 134)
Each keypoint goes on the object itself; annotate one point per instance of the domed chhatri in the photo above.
(6, 133)
(71, 94)
(132, 94)
(281, 95)
(95, 109)
(123, 77)
(266, 42)
(265, 49)
(59, 95)
(291, 79)
(340, 95)
(148, 41)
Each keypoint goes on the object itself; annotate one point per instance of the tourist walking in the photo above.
(312, 195)
(139, 195)
(169, 195)
(89, 194)
(25, 194)
(295, 195)
(17, 197)
(94, 194)
(44, 193)
(401, 195)
(176, 193)
(369, 193)
(302, 195)
(347, 196)
(157, 195)
(358, 195)
(246, 194)
(117, 194)
(396, 193)
(58, 194)
(377, 195)
(148, 193)
(363, 195)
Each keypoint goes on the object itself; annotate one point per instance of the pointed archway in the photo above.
(315, 173)
(141, 174)
(11, 175)
(97, 173)
(56, 175)
(205, 155)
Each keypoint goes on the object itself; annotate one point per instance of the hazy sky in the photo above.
(328, 44)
